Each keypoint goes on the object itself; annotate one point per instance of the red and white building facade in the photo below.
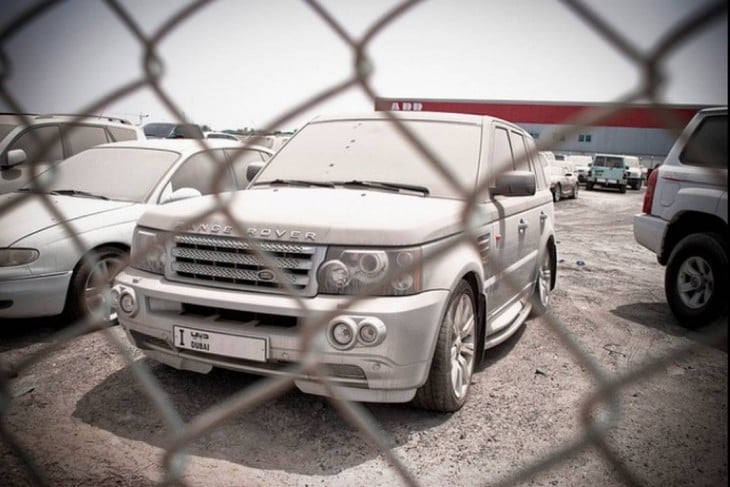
(634, 129)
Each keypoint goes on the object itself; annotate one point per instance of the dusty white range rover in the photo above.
(350, 246)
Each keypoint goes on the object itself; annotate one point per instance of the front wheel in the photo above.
(695, 282)
(452, 367)
(589, 186)
(88, 294)
(622, 189)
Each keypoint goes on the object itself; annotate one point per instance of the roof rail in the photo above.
(81, 116)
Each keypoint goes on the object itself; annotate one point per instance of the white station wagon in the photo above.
(99, 194)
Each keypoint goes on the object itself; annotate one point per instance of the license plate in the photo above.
(600, 180)
(220, 343)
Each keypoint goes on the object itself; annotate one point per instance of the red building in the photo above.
(643, 130)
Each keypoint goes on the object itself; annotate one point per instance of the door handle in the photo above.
(522, 226)
(543, 217)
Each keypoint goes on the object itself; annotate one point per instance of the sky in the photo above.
(245, 63)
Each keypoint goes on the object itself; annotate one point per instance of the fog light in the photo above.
(371, 331)
(342, 333)
(127, 302)
(368, 333)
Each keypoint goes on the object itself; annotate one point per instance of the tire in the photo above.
(447, 386)
(575, 192)
(543, 284)
(90, 282)
(622, 189)
(557, 193)
(589, 186)
(695, 281)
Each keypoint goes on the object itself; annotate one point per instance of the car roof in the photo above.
(408, 115)
(34, 118)
(184, 146)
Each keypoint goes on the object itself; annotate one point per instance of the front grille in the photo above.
(234, 263)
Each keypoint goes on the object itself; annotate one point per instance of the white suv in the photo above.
(31, 144)
(351, 232)
(684, 219)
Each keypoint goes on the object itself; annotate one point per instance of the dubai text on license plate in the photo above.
(249, 348)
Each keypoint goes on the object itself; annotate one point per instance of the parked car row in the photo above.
(347, 211)
(346, 208)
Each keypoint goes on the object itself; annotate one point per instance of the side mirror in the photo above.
(181, 194)
(514, 183)
(14, 157)
(253, 169)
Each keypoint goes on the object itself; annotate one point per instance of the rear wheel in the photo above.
(589, 185)
(557, 193)
(88, 294)
(622, 188)
(695, 282)
(543, 284)
(452, 367)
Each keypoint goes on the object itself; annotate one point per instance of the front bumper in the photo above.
(34, 296)
(389, 371)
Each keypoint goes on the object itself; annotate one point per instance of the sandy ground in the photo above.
(82, 418)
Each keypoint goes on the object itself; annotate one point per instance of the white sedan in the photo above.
(65, 236)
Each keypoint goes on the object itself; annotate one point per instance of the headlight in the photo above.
(392, 272)
(148, 251)
(12, 257)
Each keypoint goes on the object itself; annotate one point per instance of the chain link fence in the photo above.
(652, 64)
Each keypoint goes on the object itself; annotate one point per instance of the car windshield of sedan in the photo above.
(375, 151)
(115, 173)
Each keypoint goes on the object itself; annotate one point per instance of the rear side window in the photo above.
(201, 171)
(82, 137)
(503, 160)
(120, 134)
(32, 140)
(707, 146)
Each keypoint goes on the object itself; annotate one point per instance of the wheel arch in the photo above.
(118, 245)
(690, 222)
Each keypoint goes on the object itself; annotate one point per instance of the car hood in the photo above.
(26, 214)
(316, 215)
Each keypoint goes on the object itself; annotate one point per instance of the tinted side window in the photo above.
(240, 161)
(200, 171)
(120, 134)
(502, 154)
(82, 137)
(707, 146)
(33, 139)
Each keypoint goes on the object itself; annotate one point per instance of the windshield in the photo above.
(118, 173)
(161, 130)
(374, 150)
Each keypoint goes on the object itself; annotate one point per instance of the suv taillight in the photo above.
(649, 195)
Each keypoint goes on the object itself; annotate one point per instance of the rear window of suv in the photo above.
(707, 146)
(612, 162)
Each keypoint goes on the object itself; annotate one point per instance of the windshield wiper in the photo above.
(296, 182)
(76, 192)
(397, 187)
